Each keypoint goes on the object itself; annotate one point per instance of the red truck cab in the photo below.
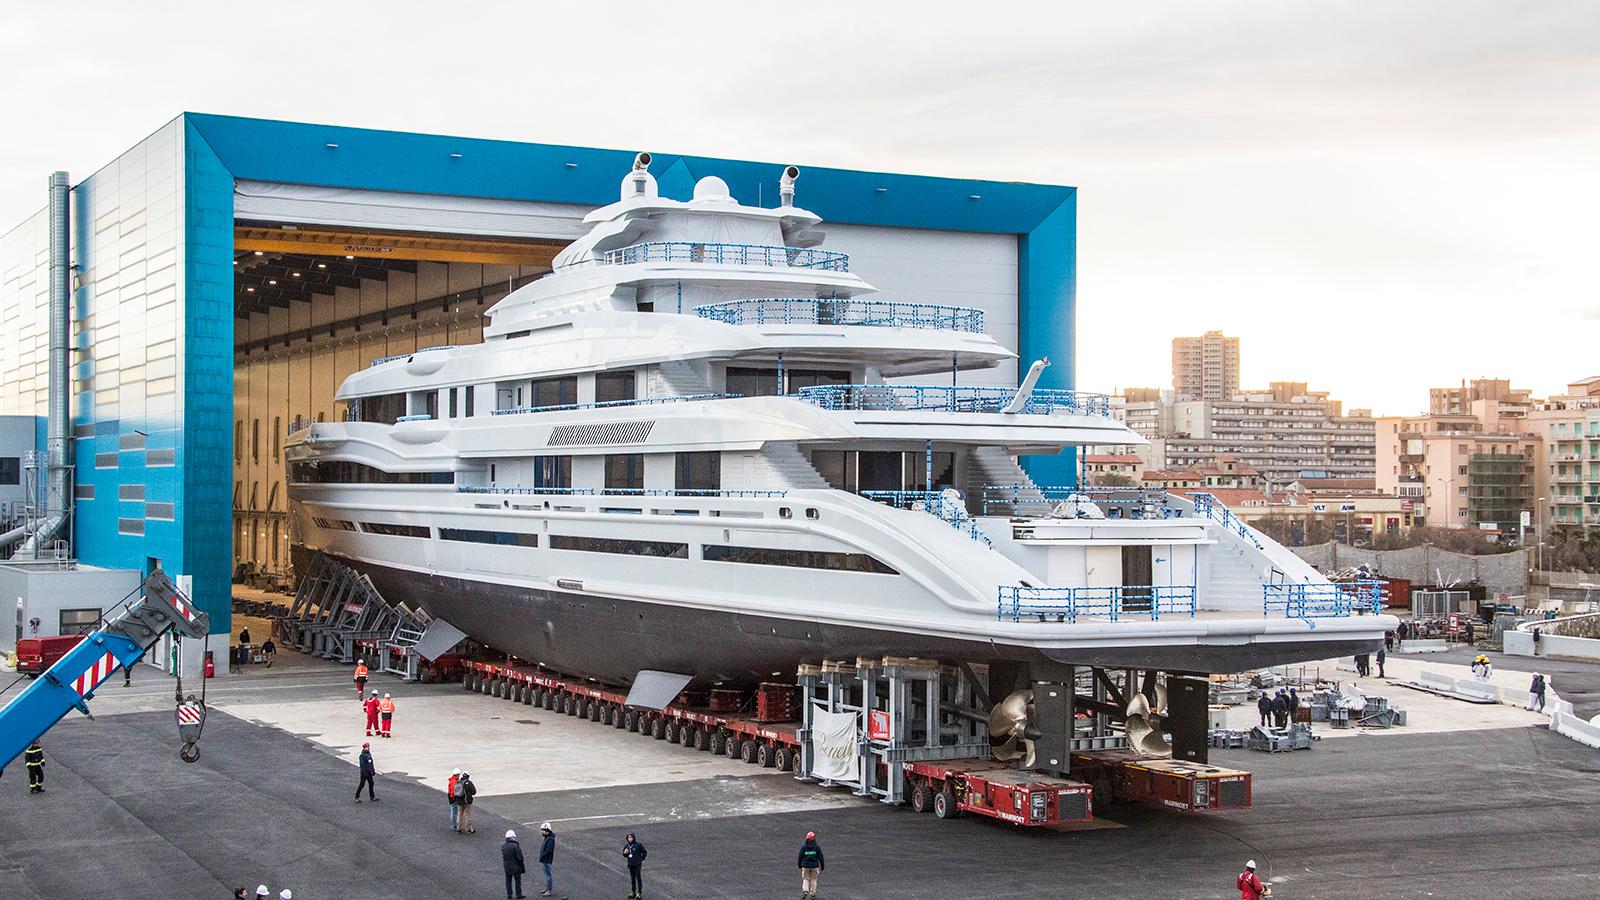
(34, 655)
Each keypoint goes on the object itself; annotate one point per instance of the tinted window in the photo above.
(611, 387)
(503, 538)
(624, 471)
(10, 470)
(700, 471)
(552, 471)
(386, 409)
(803, 559)
(753, 382)
(345, 472)
(417, 531)
(666, 549)
(799, 378)
(555, 391)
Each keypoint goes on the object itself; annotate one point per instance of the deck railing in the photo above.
(618, 492)
(1018, 603)
(607, 404)
(383, 359)
(728, 255)
(1318, 601)
(873, 397)
(873, 313)
(1209, 506)
(1115, 502)
(946, 509)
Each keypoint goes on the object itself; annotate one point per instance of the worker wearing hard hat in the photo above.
(1249, 885)
(386, 710)
(371, 708)
(361, 679)
(811, 865)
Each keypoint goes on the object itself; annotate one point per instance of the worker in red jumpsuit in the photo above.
(361, 678)
(1250, 887)
(386, 710)
(371, 706)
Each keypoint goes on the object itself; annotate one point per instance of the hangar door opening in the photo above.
(325, 282)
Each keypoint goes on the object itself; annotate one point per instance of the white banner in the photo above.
(833, 745)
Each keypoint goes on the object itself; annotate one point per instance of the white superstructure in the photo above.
(686, 449)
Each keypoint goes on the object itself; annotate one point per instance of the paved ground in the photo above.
(1484, 813)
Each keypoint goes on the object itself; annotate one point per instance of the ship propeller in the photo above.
(1144, 725)
(1010, 736)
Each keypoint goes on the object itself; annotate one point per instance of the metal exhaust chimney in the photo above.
(58, 429)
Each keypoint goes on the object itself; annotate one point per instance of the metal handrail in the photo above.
(870, 397)
(1318, 601)
(1209, 506)
(832, 311)
(1139, 500)
(560, 491)
(607, 404)
(936, 504)
(1115, 602)
(419, 417)
(728, 254)
(691, 492)
(383, 359)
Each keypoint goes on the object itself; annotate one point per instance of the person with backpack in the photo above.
(811, 865)
(511, 860)
(465, 790)
(547, 859)
(1250, 886)
(634, 853)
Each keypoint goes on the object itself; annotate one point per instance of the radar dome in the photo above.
(712, 190)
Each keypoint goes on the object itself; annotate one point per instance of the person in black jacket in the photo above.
(511, 859)
(634, 853)
(368, 773)
(465, 791)
(33, 757)
(1264, 706)
(547, 858)
(811, 866)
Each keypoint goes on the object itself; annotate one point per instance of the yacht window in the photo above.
(881, 470)
(667, 549)
(624, 471)
(612, 387)
(745, 382)
(502, 538)
(470, 392)
(385, 410)
(552, 471)
(944, 471)
(803, 559)
(334, 524)
(416, 531)
(555, 391)
(430, 404)
(345, 472)
(452, 407)
(700, 471)
(801, 378)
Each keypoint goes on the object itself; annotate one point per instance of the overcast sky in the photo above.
(1377, 198)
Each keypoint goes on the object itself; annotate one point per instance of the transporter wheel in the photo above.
(702, 740)
(550, 698)
(515, 695)
(764, 756)
(922, 796)
(674, 730)
(466, 682)
(783, 759)
(658, 729)
(735, 746)
(1102, 796)
(719, 743)
(630, 720)
(747, 751)
(606, 713)
(944, 804)
(527, 695)
(594, 711)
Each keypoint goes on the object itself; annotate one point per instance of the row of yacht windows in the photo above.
(344, 472)
(609, 387)
(758, 556)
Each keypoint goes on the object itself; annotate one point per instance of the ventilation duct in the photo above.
(57, 502)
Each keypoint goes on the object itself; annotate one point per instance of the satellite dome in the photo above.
(712, 189)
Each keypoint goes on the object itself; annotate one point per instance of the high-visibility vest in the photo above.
(361, 671)
(386, 706)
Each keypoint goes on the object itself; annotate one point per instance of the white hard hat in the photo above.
(1249, 864)
(286, 894)
(384, 694)
(262, 891)
(455, 771)
(545, 826)
(510, 833)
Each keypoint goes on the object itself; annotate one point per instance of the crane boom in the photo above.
(121, 641)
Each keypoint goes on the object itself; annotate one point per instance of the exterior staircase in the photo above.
(1241, 560)
(679, 378)
(994, 467)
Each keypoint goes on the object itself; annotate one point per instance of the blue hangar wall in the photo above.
(153, 331)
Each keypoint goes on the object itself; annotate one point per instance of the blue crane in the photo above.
(121, 641)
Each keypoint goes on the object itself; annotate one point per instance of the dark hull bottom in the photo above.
(611, 640)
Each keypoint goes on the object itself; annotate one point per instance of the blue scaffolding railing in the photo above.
(1209, 506)
(1319, 601)
(728, 255)
(607, 404)
(1114, 502)
(937, 504)
(875, 397)
(1019, 603)
(814, 311)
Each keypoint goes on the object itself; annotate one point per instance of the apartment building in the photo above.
(1205, 367)
(1567, 468)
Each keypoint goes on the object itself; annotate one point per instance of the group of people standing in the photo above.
(1278, 710)
(512, 861)
(380, 713)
